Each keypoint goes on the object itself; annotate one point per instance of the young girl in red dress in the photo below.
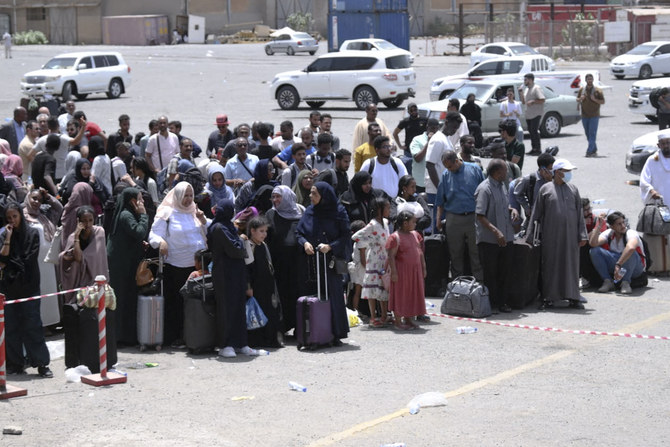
(408, 270)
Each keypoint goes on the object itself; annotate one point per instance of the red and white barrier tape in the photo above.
(552, 329)
(39, 297)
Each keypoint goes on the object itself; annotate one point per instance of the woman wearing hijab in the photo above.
(229, 274)
(124, 252)
(216, 185)
(12, 169)
(358, 199)
(82, 174)
(178, 232)
(82, 194)
(5, 148)
(101, 169)
(83, 258)
(263, 174)
(302, 187)
(283, 244)
(45, 222)
(324, 227)
(21, 279)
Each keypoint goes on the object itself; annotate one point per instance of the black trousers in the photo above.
(23, 328)
(496, 263)
(534, 131)
(173, 279)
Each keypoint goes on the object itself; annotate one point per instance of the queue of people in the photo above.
(263, 207)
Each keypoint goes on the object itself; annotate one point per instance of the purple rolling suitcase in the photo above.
(313, 314)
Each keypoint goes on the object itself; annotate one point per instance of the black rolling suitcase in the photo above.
(437, 264)
(523, 285)
(199, 314)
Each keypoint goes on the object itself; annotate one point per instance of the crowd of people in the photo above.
(263, 204)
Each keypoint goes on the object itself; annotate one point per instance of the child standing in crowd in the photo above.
(202, 260)
(355, 267)
(262, 286)
(408, 270)
(371, 242)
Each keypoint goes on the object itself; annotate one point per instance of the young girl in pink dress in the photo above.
(408, 270)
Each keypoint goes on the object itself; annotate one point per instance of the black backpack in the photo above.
(654, 95)
(194, 177)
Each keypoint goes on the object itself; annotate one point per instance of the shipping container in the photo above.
(135, 30)
(367, 5)
(391, 26)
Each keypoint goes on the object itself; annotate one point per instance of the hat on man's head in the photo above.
(562, 163)
(664, 135)
(222, 120)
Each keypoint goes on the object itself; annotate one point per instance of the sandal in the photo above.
(423, 318)
(375, 323)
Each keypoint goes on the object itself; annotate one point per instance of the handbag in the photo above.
(55, 247)
(256, 319)
(340, 265)
(200, 288)
(155, 286)
(466, 298)
(654, 218)
(144, 274)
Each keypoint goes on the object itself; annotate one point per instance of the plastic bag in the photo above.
(430, 399)
(352, 316)
(256, 319)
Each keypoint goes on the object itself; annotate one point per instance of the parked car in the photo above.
(643, 61)
(361, 76)
(291, 43)
(501, 66)
(638, 96)
(372, 45)
(77, 75)
(642, 148)
(499, 49)
(559, 110)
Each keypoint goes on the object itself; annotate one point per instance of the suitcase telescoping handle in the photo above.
(318, 275)
(160, 271)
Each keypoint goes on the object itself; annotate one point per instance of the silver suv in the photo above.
(362, 76)
(78, 75)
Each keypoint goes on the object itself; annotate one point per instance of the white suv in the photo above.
(78, 75)
(362, 76)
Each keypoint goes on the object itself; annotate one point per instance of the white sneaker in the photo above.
(252, 352)
(607, 286)
(625, 288)
(227, 352)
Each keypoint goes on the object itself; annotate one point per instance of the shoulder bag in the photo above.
(654, 218)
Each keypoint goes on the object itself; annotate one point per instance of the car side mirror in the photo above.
(81, 67)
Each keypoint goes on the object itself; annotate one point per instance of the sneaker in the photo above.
(583, 300)
(591, 154)
(45, 372)
(575, 304)
(625, 288)
(607, 286)
(505, 308)
(227, 352)
(584, 283)
(250, 351)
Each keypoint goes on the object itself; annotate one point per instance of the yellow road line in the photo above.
(336, 437)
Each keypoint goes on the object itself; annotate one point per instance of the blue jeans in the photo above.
(591, 130)
(604, 260)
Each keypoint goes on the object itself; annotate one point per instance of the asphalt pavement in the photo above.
(505, 385)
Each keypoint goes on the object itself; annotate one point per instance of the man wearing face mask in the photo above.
(558, 213)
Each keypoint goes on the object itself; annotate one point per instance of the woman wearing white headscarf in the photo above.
(284, 248)
(178, 231)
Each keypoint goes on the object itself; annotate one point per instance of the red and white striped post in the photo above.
(6, 391)
(104, 377)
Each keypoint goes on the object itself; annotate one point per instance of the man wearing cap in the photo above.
(558, 216)
(533, 98)
(162, 146)
(220, 137)
(418, 148)
(655, 184)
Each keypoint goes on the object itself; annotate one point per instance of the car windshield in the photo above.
(384, 45)
(642, 49)
(481, 91)
(58, 63)
(301, 36)
(521, 50)
(396, 62)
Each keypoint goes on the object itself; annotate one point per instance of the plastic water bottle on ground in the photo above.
(466, 330)
(598, 201)
(297, 387)
(395, 444)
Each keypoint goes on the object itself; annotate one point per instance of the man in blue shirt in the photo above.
(456, 199)
(15, 130)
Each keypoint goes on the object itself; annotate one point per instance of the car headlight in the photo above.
(23, 79)
(274, 80)
(437, 83)
(51, 78)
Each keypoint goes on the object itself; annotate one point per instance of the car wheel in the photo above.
(115, 89)
(287, 98)
(645, 72)
(290, 51)
(81, 96)
(365, 95)
(312, 53)
(68, 91)
(268, 50)
(619, 76)
(315, 104)
(652, 118)
(551, 125)
(393, 103)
